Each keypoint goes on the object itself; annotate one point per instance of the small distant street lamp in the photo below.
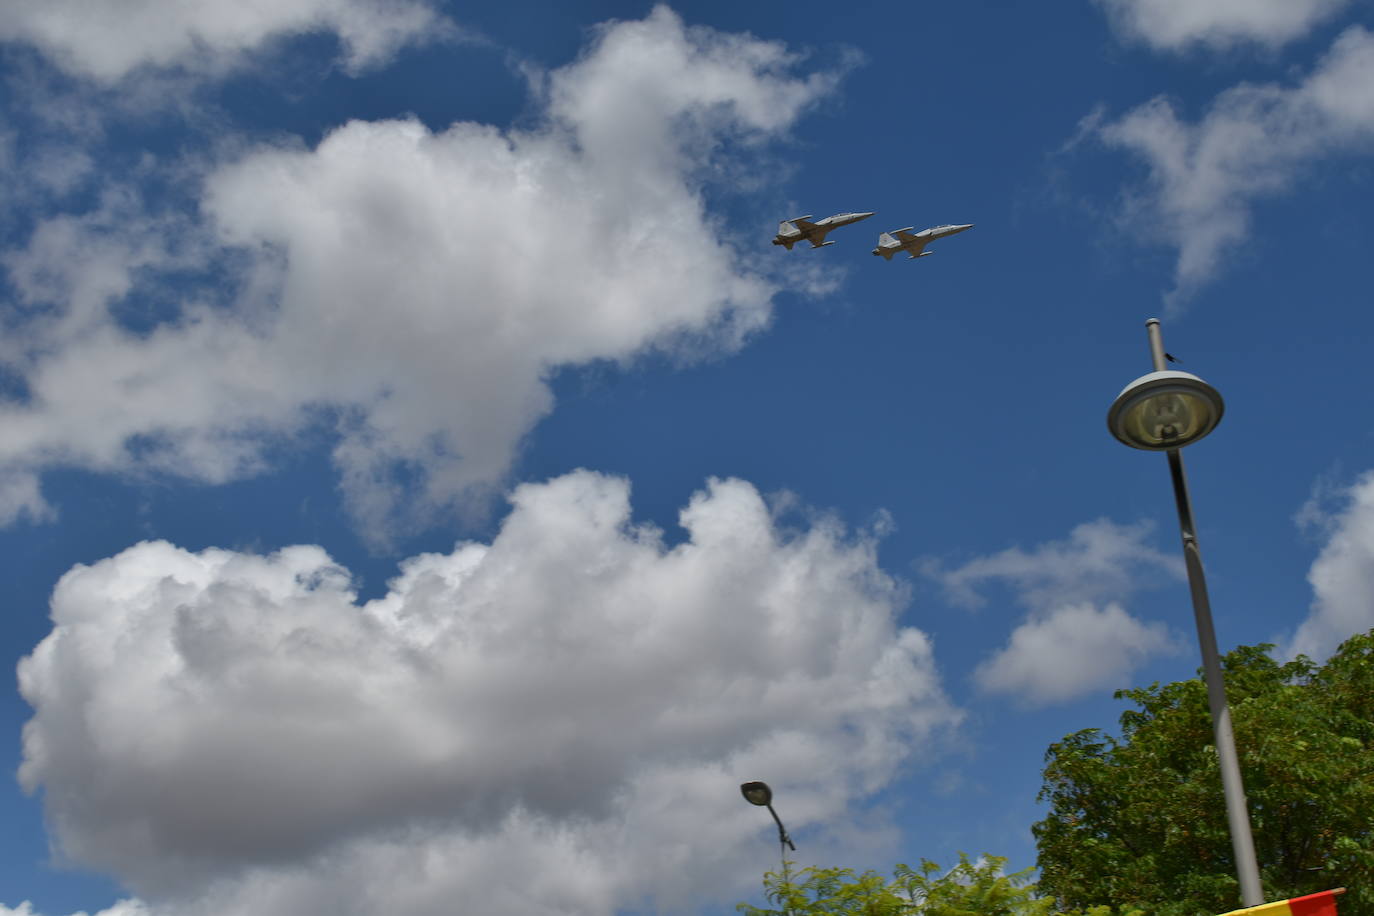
(758, 793)
(1163, 412)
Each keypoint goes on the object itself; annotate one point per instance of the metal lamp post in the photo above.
(758, 793)
(1163, 412)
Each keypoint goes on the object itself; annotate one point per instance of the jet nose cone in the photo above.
(859, 216)
(963, 227)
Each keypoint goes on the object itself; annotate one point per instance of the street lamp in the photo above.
(1164, 411)
(758, 793)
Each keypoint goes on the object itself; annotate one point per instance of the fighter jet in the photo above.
(792, 231)
(914, 245)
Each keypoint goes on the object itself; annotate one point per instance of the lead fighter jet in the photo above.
(914, 244)
(792, 231)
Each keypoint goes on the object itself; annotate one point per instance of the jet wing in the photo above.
(905, 235)
(817, 239)
(911, 244)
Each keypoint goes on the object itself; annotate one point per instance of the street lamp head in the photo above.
(1165, 410)
(757, 793)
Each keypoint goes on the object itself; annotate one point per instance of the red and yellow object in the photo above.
(1322, 904)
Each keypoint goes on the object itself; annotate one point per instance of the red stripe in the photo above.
(1322, 904)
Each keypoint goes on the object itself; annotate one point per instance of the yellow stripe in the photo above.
(1280, 908)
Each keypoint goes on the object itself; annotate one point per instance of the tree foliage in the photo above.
(968, 889)
(1140, 820)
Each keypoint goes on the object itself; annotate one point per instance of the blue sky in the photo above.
(421, 480)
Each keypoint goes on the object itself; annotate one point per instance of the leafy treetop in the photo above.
(968, 889)
(1140, 820)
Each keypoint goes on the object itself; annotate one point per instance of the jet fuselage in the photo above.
(801, 229)
(889, 243)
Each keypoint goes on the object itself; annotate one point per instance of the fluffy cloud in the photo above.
(1072, 650)
(556, 721)
(413, 288)
(1176, 24)
(109, 40)
(122, 908)
(1342, 578)
(1099, 558)
(21, 497)
(1075, 639)
(1254, 140)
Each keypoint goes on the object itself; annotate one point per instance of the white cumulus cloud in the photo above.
(1098, 559)
(414, 289)
(1072, 650)
(109, 40)
(1176, 24)
(556, 721)
(1342, 578)
(1255, 140)
(1076, 637)
(122, 908)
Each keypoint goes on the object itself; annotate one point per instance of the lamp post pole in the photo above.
(784, 841)
(1242, 843)
(758, 793)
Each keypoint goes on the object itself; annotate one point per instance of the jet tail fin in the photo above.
(887, 239)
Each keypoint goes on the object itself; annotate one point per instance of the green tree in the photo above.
(967, 889)
(1140, 820)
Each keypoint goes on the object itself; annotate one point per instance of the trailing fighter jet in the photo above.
(792, 231)
(914, 245)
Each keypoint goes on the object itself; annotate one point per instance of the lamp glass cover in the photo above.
(1166, 418)
(757, 793)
